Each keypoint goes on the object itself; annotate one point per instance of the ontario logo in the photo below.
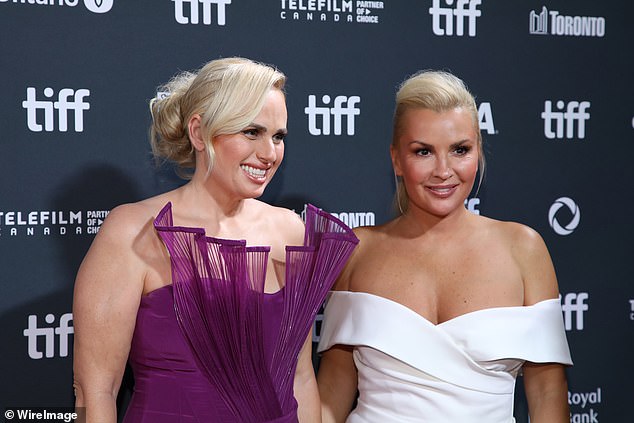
(349, 11)
(98, 6)
(95, 6)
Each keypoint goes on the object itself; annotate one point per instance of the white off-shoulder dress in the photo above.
(460, 371)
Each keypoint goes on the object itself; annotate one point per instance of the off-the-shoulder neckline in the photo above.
(453, 319)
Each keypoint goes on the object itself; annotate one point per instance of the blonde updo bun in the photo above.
(227, 93)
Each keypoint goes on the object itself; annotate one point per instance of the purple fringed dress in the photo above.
(213, 347)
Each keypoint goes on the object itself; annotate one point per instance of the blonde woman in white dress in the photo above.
(439, 310)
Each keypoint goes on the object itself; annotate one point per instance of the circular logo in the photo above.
(99, 6)
(574, 210)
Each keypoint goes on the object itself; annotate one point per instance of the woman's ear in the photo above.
(195, 133)
(396, 163)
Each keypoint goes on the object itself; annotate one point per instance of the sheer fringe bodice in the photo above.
(218, 292)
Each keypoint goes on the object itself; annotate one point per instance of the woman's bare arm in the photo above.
(108, 288)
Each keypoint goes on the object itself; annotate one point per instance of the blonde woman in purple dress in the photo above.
(197, 288)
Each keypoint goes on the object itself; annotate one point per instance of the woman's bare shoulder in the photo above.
(530, 253)
(512, 233)
(283, 222)
(130, 217)
(518, 235)
(370, 237)
(370, 234)
(130, 225)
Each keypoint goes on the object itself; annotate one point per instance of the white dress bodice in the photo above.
(462, 370)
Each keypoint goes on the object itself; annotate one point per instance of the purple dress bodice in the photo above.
(213, 347)
(169, 387)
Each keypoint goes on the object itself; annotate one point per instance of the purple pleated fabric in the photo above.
(169, 386)
(218, 291)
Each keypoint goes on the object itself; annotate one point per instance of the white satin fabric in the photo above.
(459, 371)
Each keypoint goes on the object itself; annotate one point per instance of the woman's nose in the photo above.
(266, 151)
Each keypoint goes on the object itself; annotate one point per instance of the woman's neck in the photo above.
(417, 222)
(199, 201)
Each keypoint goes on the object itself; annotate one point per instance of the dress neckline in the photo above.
(165, 214)
(157, 291)
(453, 319)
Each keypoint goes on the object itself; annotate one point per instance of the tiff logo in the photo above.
(343, 106)
(574, 303)
(575, 112)
(465, 10)
(63, 105)
(63, 330)
(195, 6)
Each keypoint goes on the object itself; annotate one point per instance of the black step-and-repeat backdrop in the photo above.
(553, 81)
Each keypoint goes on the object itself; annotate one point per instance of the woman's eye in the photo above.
(462, 150)
(278, 138)
(251, 133)
(422, 152)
